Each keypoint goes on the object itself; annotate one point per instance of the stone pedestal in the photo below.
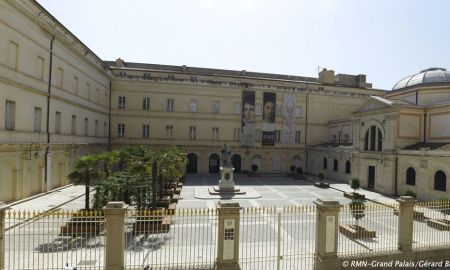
(226, 182)
(228, 236)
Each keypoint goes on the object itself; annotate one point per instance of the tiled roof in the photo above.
(445, 146)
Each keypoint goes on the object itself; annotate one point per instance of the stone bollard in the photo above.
(115, 235)
(228, 236)
(405, 223)
(327, 223)
(3, 208)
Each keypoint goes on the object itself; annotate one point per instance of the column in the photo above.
(228, 236)
(48, 184)
(3, 209)
(115, 235)
(405, 223)
(327, 222)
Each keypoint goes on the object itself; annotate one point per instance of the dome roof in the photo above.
(428, 76)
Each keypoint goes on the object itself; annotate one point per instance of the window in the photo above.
(73, 130)
(58, 123)
(237, 134)
(37, 119)
(170, 104)
(121, 130)
(325, 164)
(13, 54)
(122, 102)
(86, 126)
(258, 109)
(105, 129)
(411, 176)
(192, 133)
(10, 115)
(96, 128)
(297, 136)
(298, 111)
(258, 135)
(146, 104)
(277, 136)
(373, 140)
(215, 133)
(440, 181)
(145, 131)
(193, 106)
(215, 107)
(335, 165)
(347, 166)
(169, 131)
(237, 108)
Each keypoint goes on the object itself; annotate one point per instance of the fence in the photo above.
(300, 237)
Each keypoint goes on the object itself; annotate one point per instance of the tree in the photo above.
(321, 176)
(357, 208)
(355, 184)
(85, 173)
(299, 170)
(292, 168)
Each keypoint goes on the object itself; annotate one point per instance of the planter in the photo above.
(354, 231)
(354, 195)
(321, 184)
(440, 224)
(152, 224)
(419, 216)
(83, 223)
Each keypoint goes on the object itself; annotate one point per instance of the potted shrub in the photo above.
(442, 224)
(355, 184)
(254, 169)
(357, 209)
(292, 169)
(299, 170)
(321, 184)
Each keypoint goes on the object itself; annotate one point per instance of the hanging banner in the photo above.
(268, 125)
(288, 132)
(248, 118)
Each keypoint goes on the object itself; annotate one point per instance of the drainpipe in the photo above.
(396, 176)
(109, 116)
(424, 127)
(47, 149)
(306, 128)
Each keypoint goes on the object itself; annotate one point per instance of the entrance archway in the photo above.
(236, 161)
(214, 163)
(191, 166)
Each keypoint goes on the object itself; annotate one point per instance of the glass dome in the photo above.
(428, 76)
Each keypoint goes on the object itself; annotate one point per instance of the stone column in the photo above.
(405, 223)
(228, 236)
(115, 235)
(327, 222)
(3, 209)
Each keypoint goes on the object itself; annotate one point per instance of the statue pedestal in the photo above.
(226, 183)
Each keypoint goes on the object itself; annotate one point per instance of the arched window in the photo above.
(325, 165)
(335, 165)
(347, 166)
(373, 140)
(411, 176)
(440, 181)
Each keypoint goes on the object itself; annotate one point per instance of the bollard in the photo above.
(228, 236)
(115, 235)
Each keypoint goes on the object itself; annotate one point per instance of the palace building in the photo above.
(59, 100)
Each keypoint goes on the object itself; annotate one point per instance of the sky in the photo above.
(384, 39)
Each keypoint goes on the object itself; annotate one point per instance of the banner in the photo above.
(268, 125)
(248, 118)
(288, 132)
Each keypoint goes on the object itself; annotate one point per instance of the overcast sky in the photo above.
(384, 39)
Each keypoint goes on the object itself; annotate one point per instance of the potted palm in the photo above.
(321, 183)
(355, 184)
(357, 209)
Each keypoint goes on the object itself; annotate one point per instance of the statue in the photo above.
(226, 156)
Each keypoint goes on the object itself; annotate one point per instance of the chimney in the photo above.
(361, 80)
(326, 76)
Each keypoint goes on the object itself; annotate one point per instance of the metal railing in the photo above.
(52, 240)
(181, 239)
(368, 228)
(271, 239)
(431, 226)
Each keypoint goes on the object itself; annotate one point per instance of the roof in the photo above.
(391, 102)
(445, 146)
(430, 76)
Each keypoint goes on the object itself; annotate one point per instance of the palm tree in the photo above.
(85, 173)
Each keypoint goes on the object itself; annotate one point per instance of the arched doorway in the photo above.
(236, 161)
(191, 166)
(214, 163)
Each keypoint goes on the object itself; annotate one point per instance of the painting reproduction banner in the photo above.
(268, 125)
(288, 132)
(248, 118)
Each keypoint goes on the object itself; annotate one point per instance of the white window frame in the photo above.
(193, 106)
(146, 104)
(170, 103)
(215, 107)
(122, 102)
(146, 131)
(121, 130)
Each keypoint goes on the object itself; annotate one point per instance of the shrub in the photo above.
(355, 184)
(321, 176)
(292, 168)
(299, 170)
(411, 193)
(357, 209)
(254, 168)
